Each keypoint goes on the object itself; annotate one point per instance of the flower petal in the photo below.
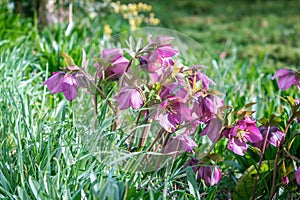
(237, 146)
(254, 134)
(297, 175)
(136, 99)
(70, 87)
(54, 83)
(282, 72)
(285, 82)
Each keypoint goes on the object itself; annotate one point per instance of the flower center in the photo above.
(240, 134)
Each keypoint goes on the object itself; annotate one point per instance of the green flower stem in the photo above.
(289, 155)
(277, 157)
(260, 161)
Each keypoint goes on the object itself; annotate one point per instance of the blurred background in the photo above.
(252, 28)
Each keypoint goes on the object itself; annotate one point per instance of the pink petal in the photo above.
(112, 54)
(297, 175)
(254, 134)
(166, 123)
(286, 81)
(237, 146)
(123, 98)
(119, 65)
(217, 175)
(136, 99)
(54, 83)
(70, 87)
(282, 72)
(213, 129)
(166, 51)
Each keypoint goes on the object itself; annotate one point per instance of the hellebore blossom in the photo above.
(117, 61)
(209, 173)
(284, 180)
(180, 143)
(63, 82)
(129, 96)
(206, 106)
(287, 78)
(158, 60)
(274, 137)
(297, 175)
(172, 113)
(244, 131)
(213, 129)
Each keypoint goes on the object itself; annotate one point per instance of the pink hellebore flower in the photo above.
(63, 82)
(287, 78)
(180, 143)
(118, 63)
(129, 96)
(284, 180)
(172, 113)
(209, 173)
(275, 136)
(212, 129)
(244, 131)
(158, 60)
(206, 106)
(297, 175)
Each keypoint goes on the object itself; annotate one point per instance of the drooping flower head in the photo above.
(244, 131)
(160, 59)
(206, 106)
(129, 97)
(211, 174)
(171, 113)
(63, 82)
(287, 78)
(285, 180)
(116, 62)
(180, 143)
(275, 136)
